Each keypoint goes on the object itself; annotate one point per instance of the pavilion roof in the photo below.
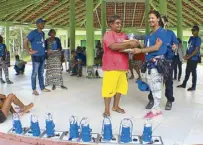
(56, 12)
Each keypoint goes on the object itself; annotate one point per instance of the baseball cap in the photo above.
(40, 20)
(195, 28)
(142, 86)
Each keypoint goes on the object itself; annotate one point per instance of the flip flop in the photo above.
(35, 93)
(119, 110)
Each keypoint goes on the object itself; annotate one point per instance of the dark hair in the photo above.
(180, 41)
(157, 14)
(51, 31)
(1, 39)
(164, 18)
(17, 57)
(84, 48)
(114, 18)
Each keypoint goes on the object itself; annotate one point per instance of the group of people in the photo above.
(160, 55)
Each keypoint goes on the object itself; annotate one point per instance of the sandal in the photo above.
(64, 87)
(119, 110)
(45, 90)
(35, 93)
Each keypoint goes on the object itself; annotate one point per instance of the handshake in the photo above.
(131, 45)
(135, 47)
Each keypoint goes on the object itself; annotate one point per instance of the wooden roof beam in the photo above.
(183, 13)
(62, 2)
(192, 15)
(156, 8)
(61, 7)
(98, 18)
(58, 18)
(16, 14)
(24, 13)
(133, 18)
(36, 10)
(78, 15)
(199, 2)
(193, 6)
(12, 7)
(8, 3)
(124, 14)
(98, 4)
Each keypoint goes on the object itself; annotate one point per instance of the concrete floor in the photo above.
(182, 125)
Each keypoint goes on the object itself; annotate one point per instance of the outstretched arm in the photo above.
(153, 48)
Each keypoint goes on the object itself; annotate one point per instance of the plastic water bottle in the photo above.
(50, 126)
(17, 126)
(73, 128)
(126, 128)
(131, 36)
(34, 125)
(147, 132)
(107, 129)
(85, 130)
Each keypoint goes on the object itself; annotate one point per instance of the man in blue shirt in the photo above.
(171, 42)
(193, 57)
(37, 51)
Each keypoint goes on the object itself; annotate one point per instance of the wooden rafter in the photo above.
(155, 7)
(199, 2)
(124, 14)
(24, 13)
(183, 13)
(133, 18)
(36, 10)
(193, 6)
(56, 7)
(97, 5)
(66, 16)
(65, 6)
(98, 18)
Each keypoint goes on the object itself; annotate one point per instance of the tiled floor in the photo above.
(182, 125)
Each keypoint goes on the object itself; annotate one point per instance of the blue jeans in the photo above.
(191, 68)
(38, 68)
(18, 70)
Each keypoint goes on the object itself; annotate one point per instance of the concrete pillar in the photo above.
(179, 19)
(89, 33)
(147, 9)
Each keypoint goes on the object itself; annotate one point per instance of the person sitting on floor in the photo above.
(6, 107)
(19, 65)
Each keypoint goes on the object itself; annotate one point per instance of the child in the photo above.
(3, 62)
(19, 65)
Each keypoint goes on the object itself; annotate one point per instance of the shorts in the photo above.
(114, 82)
(2, 117)
(138, 63)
